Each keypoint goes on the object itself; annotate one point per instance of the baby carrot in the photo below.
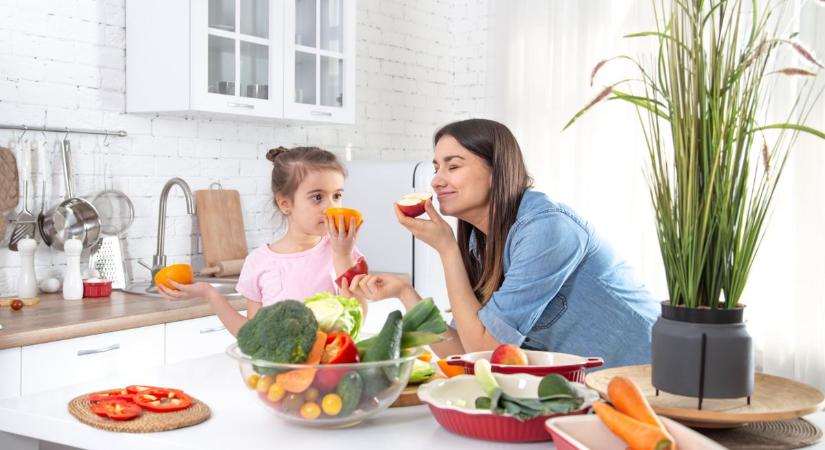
(638, 435)
(626, 396)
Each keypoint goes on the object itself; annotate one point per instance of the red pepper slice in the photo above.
(138, 388)
(339, 349)
(114, 394)
(163, 400)
(116, 409)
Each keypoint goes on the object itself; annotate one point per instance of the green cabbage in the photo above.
(336, 313)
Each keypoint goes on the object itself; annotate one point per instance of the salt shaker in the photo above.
(72, 282)
(27, 283)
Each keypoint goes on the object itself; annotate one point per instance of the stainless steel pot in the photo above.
(72, 218)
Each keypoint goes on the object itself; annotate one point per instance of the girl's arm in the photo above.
(230, 318)
(343, 242)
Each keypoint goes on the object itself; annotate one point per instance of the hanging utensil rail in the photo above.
(119, 133)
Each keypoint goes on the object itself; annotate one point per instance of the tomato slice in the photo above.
(163, 400)
(114, 394)
(116, 409)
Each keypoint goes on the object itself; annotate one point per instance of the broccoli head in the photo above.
(281, 333)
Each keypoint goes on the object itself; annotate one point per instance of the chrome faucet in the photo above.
(159, 259)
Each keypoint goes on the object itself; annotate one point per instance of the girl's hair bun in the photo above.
(273, 153)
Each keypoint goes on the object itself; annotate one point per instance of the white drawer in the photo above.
(71, 361)
(10, 372)
(194, 338)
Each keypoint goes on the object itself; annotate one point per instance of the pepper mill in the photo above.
(26, 283)
(72, 282)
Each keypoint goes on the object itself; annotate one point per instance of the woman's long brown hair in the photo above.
(494, 143)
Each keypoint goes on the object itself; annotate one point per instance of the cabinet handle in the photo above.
(320, 113)
(212, 330)
(241, 105)
(98, 350)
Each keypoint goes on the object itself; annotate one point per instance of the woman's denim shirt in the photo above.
(566, 290)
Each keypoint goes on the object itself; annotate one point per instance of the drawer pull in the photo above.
(320, 113)
(98, 350)
(212, 330)
(241, 105)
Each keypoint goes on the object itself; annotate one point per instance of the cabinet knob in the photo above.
(98, 350)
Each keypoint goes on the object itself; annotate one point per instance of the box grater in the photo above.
(107, 259)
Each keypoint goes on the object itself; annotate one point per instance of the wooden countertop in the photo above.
(54, 319)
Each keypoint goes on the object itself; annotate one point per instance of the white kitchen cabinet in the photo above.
(63, 363)
(10, 372)
(319, 60)
(242, 57)
(194, 338)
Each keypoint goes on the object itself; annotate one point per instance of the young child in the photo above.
(306, 261)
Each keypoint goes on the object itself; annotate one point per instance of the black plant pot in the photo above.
(702, 352)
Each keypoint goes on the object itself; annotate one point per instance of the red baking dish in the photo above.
(452, 401)
(92, 289)
(540, 363)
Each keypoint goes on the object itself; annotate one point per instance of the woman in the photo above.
(523, 269)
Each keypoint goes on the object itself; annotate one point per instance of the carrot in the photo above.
(299, 380)
(426, 356)
(296, 381)
(638, 435)
(626, 396)
(317, 348)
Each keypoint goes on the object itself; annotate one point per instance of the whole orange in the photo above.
(179, 273)
(348, 213)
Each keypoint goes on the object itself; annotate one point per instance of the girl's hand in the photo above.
(435, 232)
(377, 287)
(187, 291)
(342, 240)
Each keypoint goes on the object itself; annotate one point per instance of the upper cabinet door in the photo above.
(319, 60)
(236, 58)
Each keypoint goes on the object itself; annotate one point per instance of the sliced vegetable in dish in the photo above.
(163, 400)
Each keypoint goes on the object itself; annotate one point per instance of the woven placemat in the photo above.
(148, 422)
(781, 435)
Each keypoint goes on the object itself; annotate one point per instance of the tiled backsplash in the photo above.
(62, 62)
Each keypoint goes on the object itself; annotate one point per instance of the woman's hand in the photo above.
(187, 291)
(435, 232)
(342, 240)
(377, 287)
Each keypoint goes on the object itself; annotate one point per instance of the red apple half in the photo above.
(360, 268)
(412, 205)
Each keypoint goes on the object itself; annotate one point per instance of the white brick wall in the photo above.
(420, 64)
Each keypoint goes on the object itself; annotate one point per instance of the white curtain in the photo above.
(540, 57)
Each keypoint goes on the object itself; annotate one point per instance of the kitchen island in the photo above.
(238, 420)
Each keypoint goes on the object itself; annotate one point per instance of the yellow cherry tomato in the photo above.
(310, 411)
(264, 383)
(252, 381)
(275, 393)
(331, 404)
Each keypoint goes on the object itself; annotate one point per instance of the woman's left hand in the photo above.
(435, 232)
(342, 240)
(186, 291)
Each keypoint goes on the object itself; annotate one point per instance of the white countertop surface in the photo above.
(238, 419)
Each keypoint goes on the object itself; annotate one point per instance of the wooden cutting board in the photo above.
(221, 225)
(409, 396)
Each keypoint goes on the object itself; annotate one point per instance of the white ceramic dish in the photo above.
(587, 432)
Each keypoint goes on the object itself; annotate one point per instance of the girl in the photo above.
(524, 270)
(305, 181)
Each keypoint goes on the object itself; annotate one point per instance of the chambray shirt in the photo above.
(565, 290)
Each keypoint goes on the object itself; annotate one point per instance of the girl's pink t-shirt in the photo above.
(268, 277)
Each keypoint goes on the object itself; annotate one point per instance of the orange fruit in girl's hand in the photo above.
(179, 273)
(348, 213)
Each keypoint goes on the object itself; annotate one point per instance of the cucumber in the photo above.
(349, 389)
(409, 339)
(419, 314)
(387, 345)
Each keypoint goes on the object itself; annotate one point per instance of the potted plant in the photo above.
(714, 166)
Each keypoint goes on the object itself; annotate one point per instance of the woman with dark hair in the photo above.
(523, 269)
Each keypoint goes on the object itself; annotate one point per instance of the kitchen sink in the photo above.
(226, 287)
